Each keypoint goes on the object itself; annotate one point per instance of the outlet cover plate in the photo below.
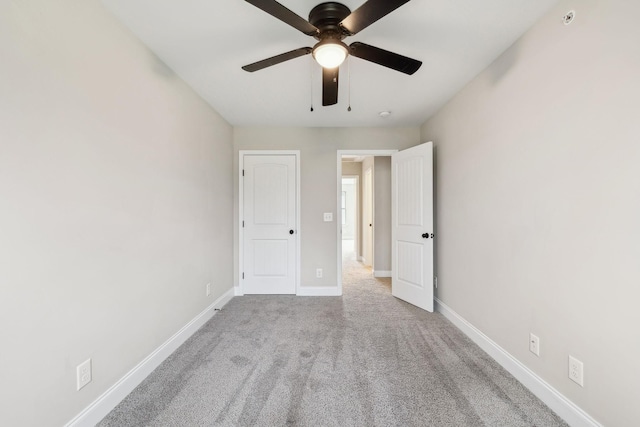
(83, 374)
(328, 216)
(576, 371)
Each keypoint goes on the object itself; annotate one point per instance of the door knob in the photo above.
(425, 235)
(290, 231)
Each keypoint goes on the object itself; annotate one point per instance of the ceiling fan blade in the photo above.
(277, 59)
(369, 13)
(330, 86)
(385, 58)
(277, 10)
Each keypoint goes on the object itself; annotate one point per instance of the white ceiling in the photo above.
(206, 42)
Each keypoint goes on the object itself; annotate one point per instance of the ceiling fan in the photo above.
(330, 23)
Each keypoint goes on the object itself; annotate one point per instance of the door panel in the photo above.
(409, 191)
(409, 267)
(270, 194)
(270, 258)
(269, 211)
(412, 220)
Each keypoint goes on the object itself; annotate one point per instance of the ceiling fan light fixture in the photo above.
(330, 53)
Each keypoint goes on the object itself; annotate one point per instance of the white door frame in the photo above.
(239, 291)
(339, 197)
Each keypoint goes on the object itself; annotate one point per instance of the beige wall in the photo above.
(538, 203)
(318, 148)
(115, 206)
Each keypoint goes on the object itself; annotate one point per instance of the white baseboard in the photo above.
(562, 406)
(97, 410)
(317, 291)
(381, 273)
(238, 292)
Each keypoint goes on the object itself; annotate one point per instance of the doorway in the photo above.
(403, 203)
(361, 164)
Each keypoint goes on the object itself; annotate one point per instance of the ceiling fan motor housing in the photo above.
(327, 17)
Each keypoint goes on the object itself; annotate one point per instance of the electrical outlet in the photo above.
(328, 216)
(534, 344)
(435, 281)
(83, 374)
(208, 289)
(318, 273)
(576, 371)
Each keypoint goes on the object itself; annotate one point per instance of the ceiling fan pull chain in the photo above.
(349, 88)
(311, 82)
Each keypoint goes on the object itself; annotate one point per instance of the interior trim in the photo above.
(566, 409)
(318, 291)
(104, 404)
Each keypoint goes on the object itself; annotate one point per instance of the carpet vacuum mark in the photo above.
(364, 359)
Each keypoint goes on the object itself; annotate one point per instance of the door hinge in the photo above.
(243, 275)
(242, 224)
(242, 172)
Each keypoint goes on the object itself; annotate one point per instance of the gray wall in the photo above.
(538, 203)
(318, 147)
(115, 206)
(382, 214)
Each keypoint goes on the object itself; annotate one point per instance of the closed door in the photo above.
(367, 218)
(269, 224)
(412, 225)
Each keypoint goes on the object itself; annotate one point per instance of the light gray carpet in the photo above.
(364, 359)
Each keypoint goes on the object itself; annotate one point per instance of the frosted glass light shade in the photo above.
(330, 55)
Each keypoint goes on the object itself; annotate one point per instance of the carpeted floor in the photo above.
(364, 359)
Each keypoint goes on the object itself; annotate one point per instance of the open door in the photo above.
(412, 225)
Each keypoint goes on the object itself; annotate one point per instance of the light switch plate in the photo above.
(328, 216)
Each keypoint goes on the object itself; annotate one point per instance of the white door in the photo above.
(367, 218)
(412, 225)
(269, 224)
